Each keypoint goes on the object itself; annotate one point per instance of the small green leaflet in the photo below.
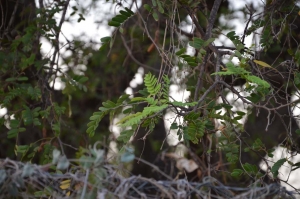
(277, 166)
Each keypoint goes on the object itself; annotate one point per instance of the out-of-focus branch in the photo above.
(212, 18)
(134, 59)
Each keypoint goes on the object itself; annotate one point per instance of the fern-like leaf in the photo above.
(12, 94)
(152, 85)
(125, 135)
(121, 18)
(166, 87)
(152, 101)
(176, 103)
(232, 70)
(95, 120)
(257, 80)
(137, 117)
(134, 119)
(196, 130)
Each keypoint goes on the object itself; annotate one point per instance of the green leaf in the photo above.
(56, 129)
(127, 111)
(119, 18)
(96, 118)
(237, 172)
(123, 98)
(154, 3)
(261, 63)
(22, 78)
(109, 104)
(22, 148)
(114, 23)
(34, 93)
(277, 166)
(252, 169)
(105, 39)
(241, 113)
(196, 43)
(147, 7)
(297, 78)
(174, 126)
(176, 103)
(195, 130)
(129, 11)
(192, 63)
(232, 35)
(257, 80)
(14, 132)
(181, 51)
(155, 16)
(232, 70)
(207, 42)
(127, 14)
(153, 87)
(11, 79)
(14, 123)
(125, 135)
(138, 99)
(160, 7)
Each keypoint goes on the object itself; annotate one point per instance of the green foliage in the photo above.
(126, 135)
(237, 172)
(277, 166)
(152, 85)
(236, 40)
(95, 120)
(136, 118)
(166, 87)
(158, 5)
(195, 131)
(119, 19)
(30, 116)
(198, 43)
(231, 69)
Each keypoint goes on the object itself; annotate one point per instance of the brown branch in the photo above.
(154, 167)
(200, 77)
(212, 18)
(204, 95)
(247, 24)
(56, 45)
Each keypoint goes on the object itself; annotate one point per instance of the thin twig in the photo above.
(134, 59)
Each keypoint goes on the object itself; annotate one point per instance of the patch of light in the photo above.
(141, 70)
(129, 91)
(3, 111)
(112, 151)
(114, 128)
(181, 95)
(169, 118)
(58, 84)
(137, 80)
